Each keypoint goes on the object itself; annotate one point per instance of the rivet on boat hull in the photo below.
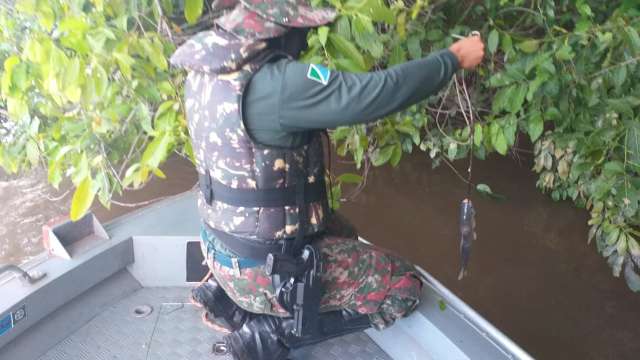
(142, 311)
(220, 348)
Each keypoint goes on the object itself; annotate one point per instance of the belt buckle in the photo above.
(236, 265)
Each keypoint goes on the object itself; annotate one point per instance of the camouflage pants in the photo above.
(357, 276)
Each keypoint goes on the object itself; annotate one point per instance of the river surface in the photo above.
(532, 273)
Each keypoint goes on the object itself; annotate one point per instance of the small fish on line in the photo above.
(467, 234)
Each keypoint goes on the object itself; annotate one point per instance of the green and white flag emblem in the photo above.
(319, 74)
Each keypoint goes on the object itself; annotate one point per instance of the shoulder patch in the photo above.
(319, 73)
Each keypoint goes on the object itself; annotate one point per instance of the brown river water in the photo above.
(532, 273)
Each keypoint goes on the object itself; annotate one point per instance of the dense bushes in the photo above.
(90, 95)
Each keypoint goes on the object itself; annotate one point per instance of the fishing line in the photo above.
(467, 212)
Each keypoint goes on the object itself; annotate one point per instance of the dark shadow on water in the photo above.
(532, 273)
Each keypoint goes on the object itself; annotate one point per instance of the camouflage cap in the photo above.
(249, 25)
(291, 13)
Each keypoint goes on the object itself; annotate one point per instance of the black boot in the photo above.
(270, 338)
(258, 339)
(330, 324)
(221, 311)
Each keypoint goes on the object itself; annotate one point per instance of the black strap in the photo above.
(247, 248)
(277, 197)
(255, 249)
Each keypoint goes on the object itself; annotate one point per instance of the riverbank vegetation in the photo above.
(90, 96)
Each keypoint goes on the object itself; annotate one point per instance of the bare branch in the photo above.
(58, 198)
(138, 204)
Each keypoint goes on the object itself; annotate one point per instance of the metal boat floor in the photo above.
(174, 331)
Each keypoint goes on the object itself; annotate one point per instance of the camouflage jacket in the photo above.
(220, 65)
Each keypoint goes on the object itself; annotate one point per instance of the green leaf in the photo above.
(535, 126)
(621, 246)
(452, 150)
(584, 8)
(82, 199)
(409, 130)
(347, 65)
(124, 63)
(157, 151)
(396, 155)
(157, 172)
(323, 34)
(492, 42)
(612, 236)
(631, 277)
(193, 10)
(100, 81)
(343, 27)
(382, 156)
(415, 50)
(506, 44)
(529, 46)
(613, 168)
(509, 129)
(401, 26)
(349, 178)
(104, 194)
(346, 48)
(442, 305)
(45, 14)
(398, 55)
(376, 10)
(54, 174)
(33, 154)
(9, 64)
(565, 53)
(624, 105)
(634, 248)
(501, 101)
(366, 37)
(633, 142)
(619, 76)
(154, 51)
(501, 79)
(484, 189)
(477, 134)
(500, 142)
(144, 118)
(73, 81)
(81, 169)
(167, 6)
(634, 38)
(517, 98)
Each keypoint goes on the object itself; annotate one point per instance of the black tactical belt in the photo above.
(254, 249)
(214, 190)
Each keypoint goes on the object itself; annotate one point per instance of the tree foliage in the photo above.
(563, 73)
(89, 91)
(89, 94)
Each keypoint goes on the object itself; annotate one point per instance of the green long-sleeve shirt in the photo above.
(287, 98)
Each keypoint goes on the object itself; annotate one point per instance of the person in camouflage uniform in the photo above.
(243, 147)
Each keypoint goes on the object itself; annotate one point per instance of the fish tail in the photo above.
(462, 273)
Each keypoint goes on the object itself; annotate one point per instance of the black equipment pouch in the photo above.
(298, 287)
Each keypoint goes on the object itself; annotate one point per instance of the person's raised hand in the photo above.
(469, 51)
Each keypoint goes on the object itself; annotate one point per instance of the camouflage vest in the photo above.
(248, 180)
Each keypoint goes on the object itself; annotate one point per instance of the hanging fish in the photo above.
(467, 234)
